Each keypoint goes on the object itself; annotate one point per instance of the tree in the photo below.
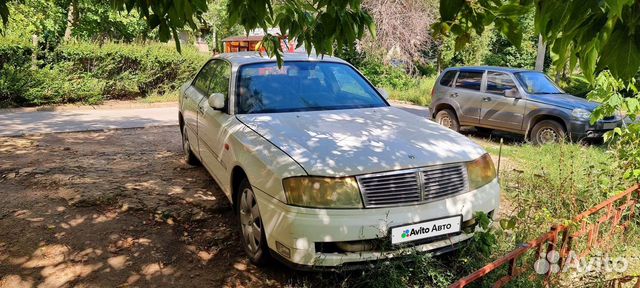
(402, 27)
(322, 24)
(598, 35)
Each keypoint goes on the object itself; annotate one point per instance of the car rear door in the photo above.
(499, 111)
(191, 102)
(212, 123)
(468, 95)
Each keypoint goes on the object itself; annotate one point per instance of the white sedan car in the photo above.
(321, 170)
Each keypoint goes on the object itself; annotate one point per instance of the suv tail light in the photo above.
(433, 91)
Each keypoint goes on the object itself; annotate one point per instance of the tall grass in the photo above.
(419, 93)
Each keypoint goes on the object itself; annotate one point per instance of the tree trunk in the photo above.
(72, 17)
(540, 57)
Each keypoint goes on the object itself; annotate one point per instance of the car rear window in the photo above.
(447, 78)
(469, 80)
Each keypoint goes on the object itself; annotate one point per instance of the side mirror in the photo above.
(216, 101)
(512, 93)
(384, 93)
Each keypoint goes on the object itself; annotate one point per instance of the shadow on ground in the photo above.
(116, 208)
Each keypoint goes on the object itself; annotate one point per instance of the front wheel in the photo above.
(253, 238)
(547, 132)
(448, 118)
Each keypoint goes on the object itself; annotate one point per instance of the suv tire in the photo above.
(546, 132)
(448, 118)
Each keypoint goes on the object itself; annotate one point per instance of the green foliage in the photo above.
(596, 34)
(382, 75)
(625, 140)
(98, 21)
(86, 72)
(14, 52)
(14, 84)
(575, 85)
(46, 19)
(419, 94)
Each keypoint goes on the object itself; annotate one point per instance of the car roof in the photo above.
(240, 58)
(492, 68)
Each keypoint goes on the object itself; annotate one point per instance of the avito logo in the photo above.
(424, 230)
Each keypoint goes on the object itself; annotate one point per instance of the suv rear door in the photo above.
(468, 94)
(499, 111)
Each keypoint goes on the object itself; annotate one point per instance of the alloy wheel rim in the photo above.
(548, 135)
(185, 144)
(250, 221)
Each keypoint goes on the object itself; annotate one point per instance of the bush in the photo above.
(382, 75)
(133, 70)
(14, 52)
(89, 73)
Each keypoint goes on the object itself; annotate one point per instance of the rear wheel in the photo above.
(189, 157)
(448, 118)
(547, 132)
(253, 238)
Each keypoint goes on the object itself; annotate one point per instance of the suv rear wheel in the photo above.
(547, 131)
(448, 118)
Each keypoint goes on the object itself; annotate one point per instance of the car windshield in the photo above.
(537, 83)
(302, 86)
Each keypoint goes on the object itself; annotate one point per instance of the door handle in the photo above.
(453, 95)
(201, 109)
(486, 99)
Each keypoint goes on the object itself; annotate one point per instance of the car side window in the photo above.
(447, 78)
(221, 73)
(498, 82)
(204, 78)
(471, 80)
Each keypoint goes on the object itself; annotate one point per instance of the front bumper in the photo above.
(582, 129)
(303, 230)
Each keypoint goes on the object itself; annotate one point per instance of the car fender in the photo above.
(264, 164)
(448, 101)
(538, 112)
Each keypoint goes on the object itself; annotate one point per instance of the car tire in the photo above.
(253, 239)
(547, 132)
(448, 118)
(189, 157)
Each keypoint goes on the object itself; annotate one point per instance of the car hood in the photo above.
(360, 141)
(564, 100)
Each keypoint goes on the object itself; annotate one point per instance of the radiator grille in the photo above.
(413, 186)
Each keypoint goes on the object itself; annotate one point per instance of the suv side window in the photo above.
(447, 78)
(204, 77)
(471, 80)
(498, 82)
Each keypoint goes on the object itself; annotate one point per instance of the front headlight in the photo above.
(322, 192)
(481, 172)
(581, 114)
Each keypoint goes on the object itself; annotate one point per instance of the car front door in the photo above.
(499, 111)
(468, 95)
(212, 123)
(193, 95)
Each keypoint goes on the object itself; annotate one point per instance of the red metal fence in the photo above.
(588, 231)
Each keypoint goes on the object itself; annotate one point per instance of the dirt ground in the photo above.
(116, 208)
